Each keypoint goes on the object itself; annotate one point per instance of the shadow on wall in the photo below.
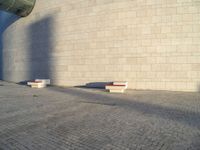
(6, 19)
(40, 48)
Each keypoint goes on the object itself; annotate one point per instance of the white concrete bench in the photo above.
(117, 87)
(36, 84)
(45, 81)
(39, 83)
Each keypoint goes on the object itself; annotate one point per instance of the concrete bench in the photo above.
(117, 87)
(45, 81)
(39, 83)
(36, 84)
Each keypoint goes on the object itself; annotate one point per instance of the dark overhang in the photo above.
(18, 7)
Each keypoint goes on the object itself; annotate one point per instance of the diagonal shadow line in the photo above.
(97, 103)
(184, 117)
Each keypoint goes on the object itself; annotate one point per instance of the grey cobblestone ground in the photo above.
(75, 119)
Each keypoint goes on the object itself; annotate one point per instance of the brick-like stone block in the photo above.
(152, 44)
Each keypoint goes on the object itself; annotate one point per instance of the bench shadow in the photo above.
(184, 117)
(23, 82)
(96, 85)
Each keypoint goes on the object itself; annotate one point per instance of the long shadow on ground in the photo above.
(182, 116)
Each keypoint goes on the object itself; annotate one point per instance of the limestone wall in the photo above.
(152, 44)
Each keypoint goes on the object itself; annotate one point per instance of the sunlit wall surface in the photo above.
(152, 44)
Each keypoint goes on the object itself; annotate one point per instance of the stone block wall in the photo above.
(152, 44)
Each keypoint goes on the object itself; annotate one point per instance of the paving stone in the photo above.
(92, 119)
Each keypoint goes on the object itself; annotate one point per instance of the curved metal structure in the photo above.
(19, 7)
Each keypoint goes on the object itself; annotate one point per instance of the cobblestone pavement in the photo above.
(73, 118)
